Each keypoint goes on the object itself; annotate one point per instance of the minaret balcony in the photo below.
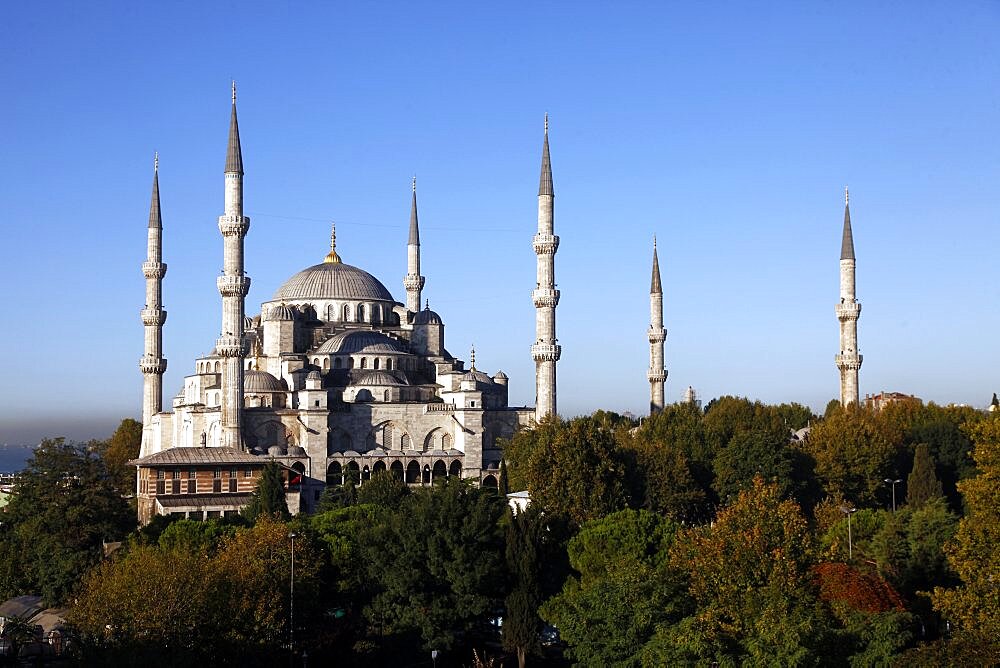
(546, 352)
(656, 376)
(233, 286)
(413, 282)
(848, 311)
(849, 361)
(545, 244)
(152, 365)
(152, 317)
(545, 297)
(657, 334)
(154, 269)
(231, 346)
(233, 226)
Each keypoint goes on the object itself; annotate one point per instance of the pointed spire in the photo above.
(234, 154)
(332, 257)
(414, 227)
(655, 287)
(847, 245)
(427, 307)
(472, 357)
(545, 181)
(154, 204)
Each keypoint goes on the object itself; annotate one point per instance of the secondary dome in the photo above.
(333, 280)
(360, 341)
(255, 382)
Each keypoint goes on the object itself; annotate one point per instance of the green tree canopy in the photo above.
(268, 499)
(922, 485)
(119, 450)
(64, 508)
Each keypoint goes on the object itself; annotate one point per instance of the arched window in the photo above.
(364, 362)
(217, 368)
(375, 363)
(396, 470)
(379, 467)
(427, 475)
(440, 470)
(326, 364)
(361, 312)
(388, 364)
(455, 468)
(376, 317)
(350, 362)
(490, 482)
(446, 442)
(353, 473)
(387, 437)
(330, 312)
(347, 312)
(334, 476)
(413, 473)
(337, 363)
(405, 445)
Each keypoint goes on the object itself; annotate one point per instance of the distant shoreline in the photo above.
(13, 457)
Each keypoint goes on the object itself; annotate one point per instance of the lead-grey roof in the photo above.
(234, 154)
(655, 286)
(207, 501)
(545, 181)
(847, 245)
(184, 456)
(154, 204)
(333, 280)
(255, 382)
(414, 227)
(360, 341)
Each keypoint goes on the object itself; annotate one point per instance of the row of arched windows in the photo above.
(209, 367)
(413, 474)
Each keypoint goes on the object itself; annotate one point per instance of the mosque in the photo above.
(334, 379)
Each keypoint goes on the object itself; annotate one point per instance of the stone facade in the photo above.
(334, 378)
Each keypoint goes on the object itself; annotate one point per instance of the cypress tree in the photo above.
(269, 497)
(922, 485)
(504, 485)
(525, 552)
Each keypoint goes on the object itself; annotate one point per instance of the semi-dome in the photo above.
(255, 382)
(281, 312)
(377, 378)
(333, 280)
(360, 341)
(427, 317)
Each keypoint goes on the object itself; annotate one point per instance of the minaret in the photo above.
(233, 286)
(657, 374)
(153, 363)
(848, 310)
(546, 351)
(413, 282)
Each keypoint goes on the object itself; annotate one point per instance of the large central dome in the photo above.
(332, 280)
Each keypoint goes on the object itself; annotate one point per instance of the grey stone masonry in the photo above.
(546, 350)
(657, 374)
(153, 364)
(848, 311)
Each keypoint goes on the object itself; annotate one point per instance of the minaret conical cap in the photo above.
(414, 227)
(154, 204)
(655, 287)
(847, 245)
(545, 180)
(234, 155)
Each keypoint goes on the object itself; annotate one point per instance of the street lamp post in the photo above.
(890, 481)
(291, 606)
(850, 541)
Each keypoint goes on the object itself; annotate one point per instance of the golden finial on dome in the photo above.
(332, 257)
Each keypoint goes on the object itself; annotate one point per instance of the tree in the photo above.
(64, 508)
(383, 490)
(572, 469)
(854, 452)
(922, 484)
(624, 590)
(974, 606)
(121, 448)
(268, 499)
(437, 562)
(526, 554)
(504, 484)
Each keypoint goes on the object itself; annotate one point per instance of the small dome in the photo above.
(427, 317)
(314, 375)
(333, 280)
(500, 376)
(360, 341)
(376, 378)
(276, 451)
(296, 451)
(477, 376)
(281, 312)
(255, 382)
(247, 323)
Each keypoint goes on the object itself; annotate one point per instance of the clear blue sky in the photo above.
(727, 129)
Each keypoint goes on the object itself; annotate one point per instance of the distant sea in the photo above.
(13, 457)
